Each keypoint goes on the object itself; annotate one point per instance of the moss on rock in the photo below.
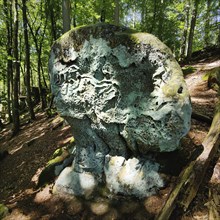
(61, 158)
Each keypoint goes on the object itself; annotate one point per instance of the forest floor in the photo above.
(20, 169)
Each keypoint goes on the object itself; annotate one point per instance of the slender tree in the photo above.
(207, 23)
(183, 48)
(27, 61)
(74, 13)
(38, 41)
(8, 21)
(50, 12)
(103, 11)
(161, 15)
(153, 24)
(66, 8)
(117, 12)
(16, 119)
(192, 28)
(143, 15)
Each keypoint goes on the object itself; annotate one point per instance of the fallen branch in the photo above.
(192, 176)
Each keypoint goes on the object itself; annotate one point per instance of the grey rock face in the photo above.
(123, 94)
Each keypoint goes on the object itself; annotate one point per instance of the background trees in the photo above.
(28, 29)
(16, 69)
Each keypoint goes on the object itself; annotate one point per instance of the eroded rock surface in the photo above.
(124, 96)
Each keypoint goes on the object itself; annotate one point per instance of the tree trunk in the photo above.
(66, 8)
(74, 14)
(52, 20)
(102, 13)
(207, 24)
(154, 17)
(192, 28)
(183, 48)
(38, 44)
(27, 61)
(44, 80)
(8, 19)
(16, 119)
(162, 8)
(42, 91)
(116, 12)
(143, 15)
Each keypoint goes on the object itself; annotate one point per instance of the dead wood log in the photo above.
(192, 176)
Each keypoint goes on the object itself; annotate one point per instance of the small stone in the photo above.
(75, 183)
(100, 207)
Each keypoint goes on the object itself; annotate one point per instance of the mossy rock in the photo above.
(213, 78)
(61, 158)
(3, 211)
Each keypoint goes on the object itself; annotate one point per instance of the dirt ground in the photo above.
(20, 169)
